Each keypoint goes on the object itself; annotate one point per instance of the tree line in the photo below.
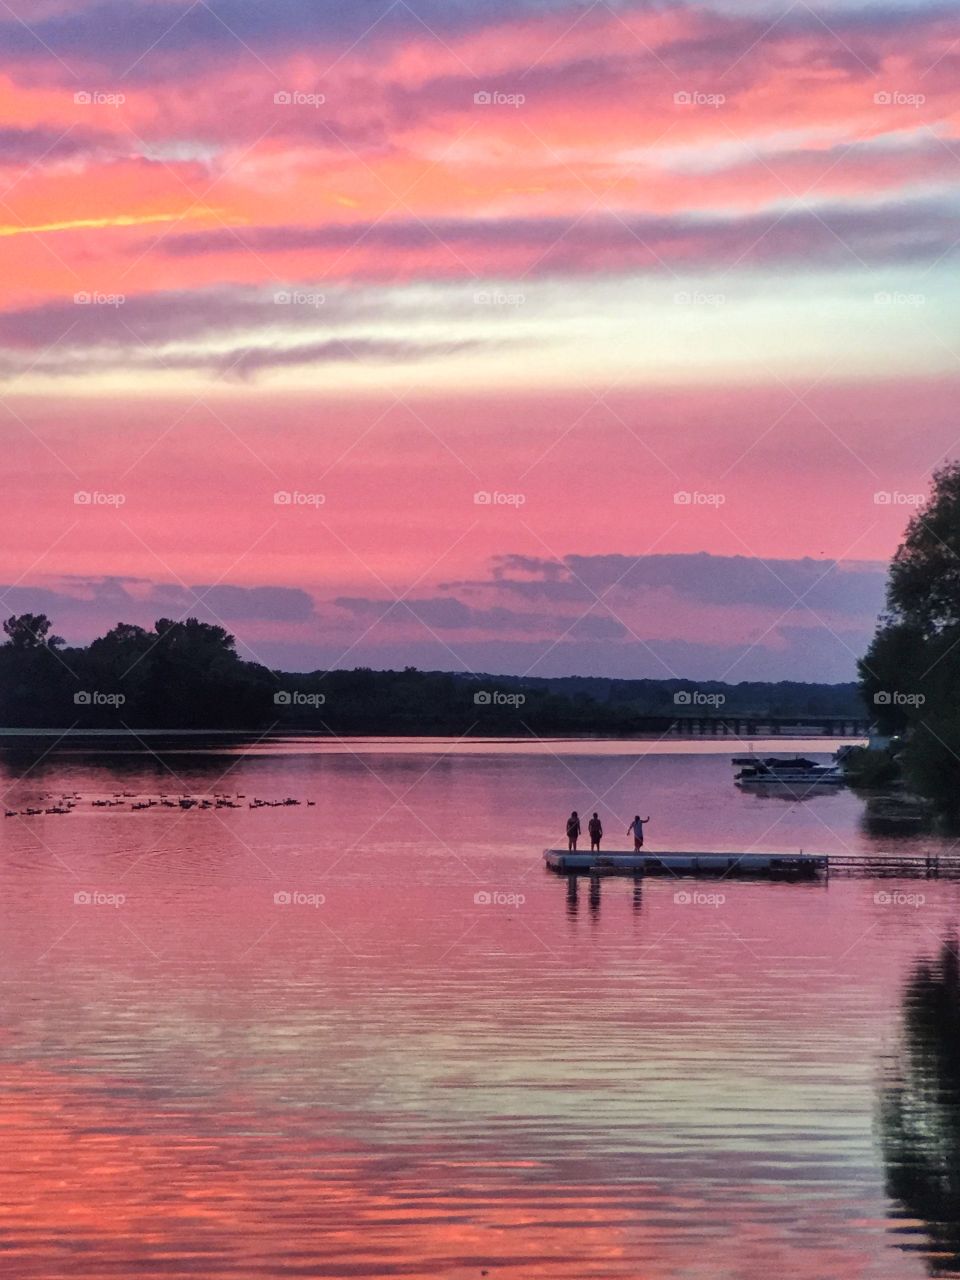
(187, 674)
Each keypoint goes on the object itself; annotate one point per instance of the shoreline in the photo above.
(132, 734)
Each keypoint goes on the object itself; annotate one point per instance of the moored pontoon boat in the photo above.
(794, 771)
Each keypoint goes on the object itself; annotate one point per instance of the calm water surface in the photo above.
(372, 1037)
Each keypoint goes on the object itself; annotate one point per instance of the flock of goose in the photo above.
(67, 802)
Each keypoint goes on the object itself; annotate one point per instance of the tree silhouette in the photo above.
(31, 631)
(924, 583)
(910, 675)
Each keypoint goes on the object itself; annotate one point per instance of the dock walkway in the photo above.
(770, 865)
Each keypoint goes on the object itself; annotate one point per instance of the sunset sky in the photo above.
(540, 337)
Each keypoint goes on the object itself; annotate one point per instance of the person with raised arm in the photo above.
(636, 830)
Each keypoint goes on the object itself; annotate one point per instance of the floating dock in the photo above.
(703, 864)
(930, 866)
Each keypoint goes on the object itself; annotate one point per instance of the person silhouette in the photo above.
(573, 831)
(595, 827)
(636, 829)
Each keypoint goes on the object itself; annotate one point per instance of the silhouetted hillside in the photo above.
(188, 675)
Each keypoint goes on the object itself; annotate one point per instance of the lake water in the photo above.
(372, 1037)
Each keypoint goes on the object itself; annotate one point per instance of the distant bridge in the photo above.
(751, 725)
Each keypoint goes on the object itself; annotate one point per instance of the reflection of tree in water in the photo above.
(889, 816)
(920, 1108)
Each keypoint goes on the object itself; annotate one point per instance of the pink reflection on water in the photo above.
(426, 1059)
